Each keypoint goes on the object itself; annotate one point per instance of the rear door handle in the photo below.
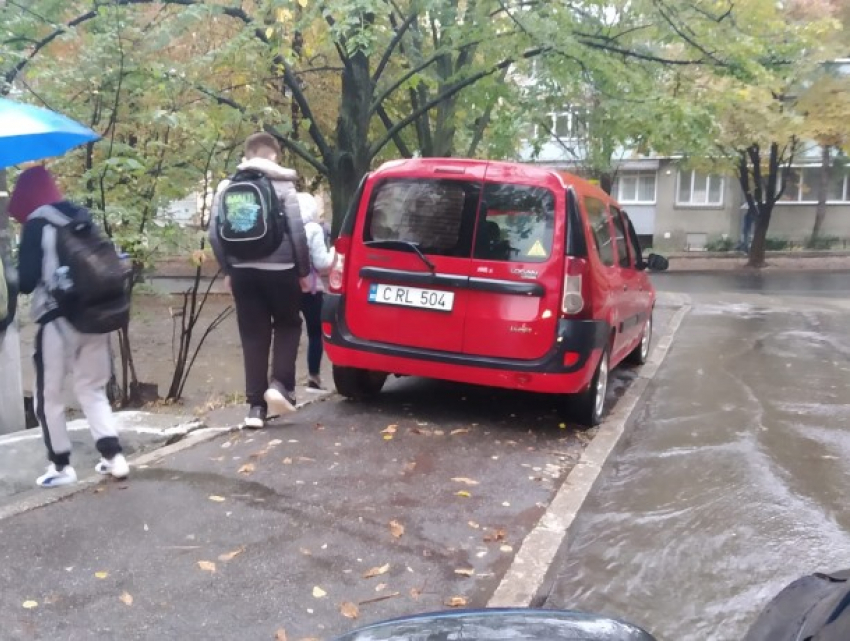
(625, 288)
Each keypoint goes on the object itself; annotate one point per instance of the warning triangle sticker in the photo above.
(537, 250)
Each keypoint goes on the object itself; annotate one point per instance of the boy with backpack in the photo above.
(259, 241)
(79, 296)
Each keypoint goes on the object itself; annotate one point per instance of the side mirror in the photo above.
(656, 263)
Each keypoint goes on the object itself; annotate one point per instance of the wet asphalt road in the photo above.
(734, 479)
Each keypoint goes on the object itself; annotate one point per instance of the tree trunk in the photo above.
(759, 244)
(823, 190)
(352, 157)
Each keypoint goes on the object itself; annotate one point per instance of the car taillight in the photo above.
(336, 279)
(573, 301)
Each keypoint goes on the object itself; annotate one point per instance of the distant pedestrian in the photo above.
(59, 238)
(259, 241)
(321, 259)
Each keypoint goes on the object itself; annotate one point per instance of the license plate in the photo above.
(411, 297)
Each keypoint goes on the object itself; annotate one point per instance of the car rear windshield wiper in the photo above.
(406, 244)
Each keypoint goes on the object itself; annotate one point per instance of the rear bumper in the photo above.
(578, 341)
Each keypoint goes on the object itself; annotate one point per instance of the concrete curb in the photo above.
(43, 497)
(523, 579)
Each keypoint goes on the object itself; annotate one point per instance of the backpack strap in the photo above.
(52, 216)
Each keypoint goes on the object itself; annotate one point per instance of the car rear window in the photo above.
(517, 223)
(436, 215)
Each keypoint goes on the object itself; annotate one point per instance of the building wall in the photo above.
(792, 221)
(682, 227)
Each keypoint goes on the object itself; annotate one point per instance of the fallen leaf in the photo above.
(396, 529)
(231, 555)
(101, 575)
(217, 458)
(415, 593)
(391, 429)
(506, 548)
(349, 610)
(473, 525)
(319, 592)
(563, 426)
(287, 461)
(438, 432)
(306, 552)
(464, 480)
(306, 459)
(207, 566)
(495, 535)
(280, 635)
(126, 598)
(377, 571)
(388, 437)
(456, 602)
(464, 494)
(217, 499)
(465, 571)
(29, 605)
(462, 430)
(380, 587)
(248, 468)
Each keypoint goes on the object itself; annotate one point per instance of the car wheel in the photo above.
(589, 406)
(640, 354)
(358, 384)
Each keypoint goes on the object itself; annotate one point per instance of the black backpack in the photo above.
(250, 221)
(90, 285)
(813, 608)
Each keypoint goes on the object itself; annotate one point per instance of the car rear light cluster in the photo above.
(573, 302)
(336, 278)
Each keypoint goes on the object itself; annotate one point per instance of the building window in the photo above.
(802, 185)
(635, 187)
(697, 188)
(568, 124)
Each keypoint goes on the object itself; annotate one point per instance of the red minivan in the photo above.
(493, 273)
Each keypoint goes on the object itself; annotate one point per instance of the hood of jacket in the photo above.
(308, 206)
(270, 168)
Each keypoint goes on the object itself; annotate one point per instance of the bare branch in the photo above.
(448, 93)
(399, 34)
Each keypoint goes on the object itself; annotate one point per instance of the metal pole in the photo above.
(12, 416)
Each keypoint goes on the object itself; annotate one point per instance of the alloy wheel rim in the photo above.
(601, 385)
(647, 337)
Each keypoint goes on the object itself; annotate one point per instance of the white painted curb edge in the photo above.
(526, 574)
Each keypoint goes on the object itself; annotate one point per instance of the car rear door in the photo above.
(633, 313)
(410, 262)
(517, 264)
(605, 273)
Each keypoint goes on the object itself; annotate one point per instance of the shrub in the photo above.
(821, 242)
(720, 245)
(776, 244)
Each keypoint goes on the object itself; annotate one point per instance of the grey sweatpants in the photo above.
(61, 350)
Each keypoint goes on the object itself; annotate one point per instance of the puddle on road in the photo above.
(723, 496)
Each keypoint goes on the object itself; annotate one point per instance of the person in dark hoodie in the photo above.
(59, 348)
(267, 292)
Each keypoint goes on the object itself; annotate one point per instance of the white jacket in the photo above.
(321, 258)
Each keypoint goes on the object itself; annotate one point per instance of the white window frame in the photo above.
(813, 201)
(637, 175)
(692, 176)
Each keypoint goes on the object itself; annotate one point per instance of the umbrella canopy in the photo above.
(32, 133)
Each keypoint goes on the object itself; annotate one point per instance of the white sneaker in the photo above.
(55, 478)
(117, 466)
(277, 402)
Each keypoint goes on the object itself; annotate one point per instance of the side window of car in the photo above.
(597, 216)
(623, 251)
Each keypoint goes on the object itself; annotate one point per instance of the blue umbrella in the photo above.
(32, 133)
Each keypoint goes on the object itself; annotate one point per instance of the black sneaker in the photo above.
(314, 384)
(256, 418)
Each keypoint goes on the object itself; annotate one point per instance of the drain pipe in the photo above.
(12, 417)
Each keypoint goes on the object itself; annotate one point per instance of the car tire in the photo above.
(358, 384)
(588, 407)
(640, 354)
